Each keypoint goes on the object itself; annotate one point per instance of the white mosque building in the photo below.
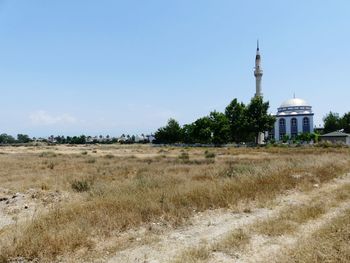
(293, 117)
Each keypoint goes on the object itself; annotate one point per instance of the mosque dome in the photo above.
(295, 102)
(294, 106)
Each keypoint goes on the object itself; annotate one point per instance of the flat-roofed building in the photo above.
(336, 137)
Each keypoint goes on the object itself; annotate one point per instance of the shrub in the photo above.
(209, 155)
(80, 185)
(91, 160)
(47, 154)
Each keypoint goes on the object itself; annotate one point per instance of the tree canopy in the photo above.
(235, 113)
(171, 133)
(333, 122)
(258, 118)
(239, 123)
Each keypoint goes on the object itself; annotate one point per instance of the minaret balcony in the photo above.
(258, 72)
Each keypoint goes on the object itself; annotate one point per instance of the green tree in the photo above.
(285, 138)
(6, 139)
(23, 138)
(332, 122)
(202, 130)
(258, 119)
(220, 128)
(188, 133)
(304, 137)
(345, 122)
(171, 133)
(77, 139)
(235, 113)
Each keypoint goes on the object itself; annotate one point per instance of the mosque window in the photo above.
(282, 122)
(306, 124)
(282, 128)
(293, 127)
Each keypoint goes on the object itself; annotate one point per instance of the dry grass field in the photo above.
(138, 203)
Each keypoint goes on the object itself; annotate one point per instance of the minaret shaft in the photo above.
(258, 75)
(258, 72)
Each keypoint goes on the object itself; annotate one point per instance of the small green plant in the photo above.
(209, 155)
(184, 156)
(80, 185)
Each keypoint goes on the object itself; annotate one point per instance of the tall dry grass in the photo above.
(125, 192)
(329, 244)
(286, 222)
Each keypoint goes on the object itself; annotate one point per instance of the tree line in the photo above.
(333, 122)
(81, 139)
(8, 139)
(239, 123)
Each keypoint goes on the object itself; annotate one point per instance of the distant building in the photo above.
(151, 138)
(336, 137)
(293, 117)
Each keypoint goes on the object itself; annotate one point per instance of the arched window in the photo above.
(282, 122)
(306, 124)
(293, 127)
(282, 128)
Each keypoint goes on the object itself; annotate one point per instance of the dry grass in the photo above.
(130, 186)
(199, 254)
(287, 222)
(235, 241)
(290, 219)
(329, 244)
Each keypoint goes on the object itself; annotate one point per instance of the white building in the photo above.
(293, 117)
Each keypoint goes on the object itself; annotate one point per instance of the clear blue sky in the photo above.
(112, 67)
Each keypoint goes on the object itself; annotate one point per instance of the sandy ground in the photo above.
(211, 226)
(20, 207)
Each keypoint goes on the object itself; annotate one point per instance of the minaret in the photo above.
(258, 75)
(258, 71)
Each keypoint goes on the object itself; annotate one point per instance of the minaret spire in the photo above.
(258, 71)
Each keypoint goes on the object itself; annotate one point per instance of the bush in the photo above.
(47, 154)
(91, 160)
(80, 185)
(209, 155)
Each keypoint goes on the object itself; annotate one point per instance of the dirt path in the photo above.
(269, 249)
(211, 226)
